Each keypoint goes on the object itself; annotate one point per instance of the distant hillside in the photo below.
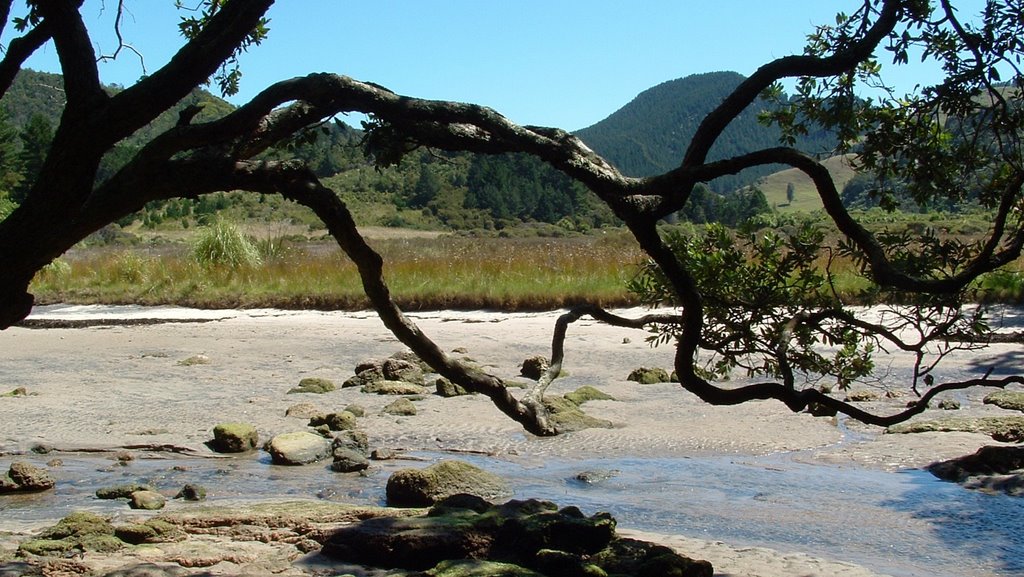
(805, 196)
(43, 93)
(650, 134)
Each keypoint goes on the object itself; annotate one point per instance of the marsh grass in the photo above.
(442, 273)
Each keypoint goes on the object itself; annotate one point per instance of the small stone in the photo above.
(588, 393)
(234, 438)
(314, 385)
(303, 411)
(392, 388)
(192, 492)
(121, 491)
(356, 410)
(147, 500)
(649, 376)
(195, 360)
(383, 454)
(22, 476)
(299, 448)
(448, 389)
(400, 407)
(949, 404)
(862, 396)
(349, 461)
(534, 367)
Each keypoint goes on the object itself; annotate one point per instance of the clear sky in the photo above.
(564, 63)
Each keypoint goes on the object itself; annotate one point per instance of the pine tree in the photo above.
(35, 145)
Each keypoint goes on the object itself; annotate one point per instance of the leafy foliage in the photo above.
(771, 310)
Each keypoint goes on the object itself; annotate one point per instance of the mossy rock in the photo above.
(424, 487)
(400, 407)
(152, 531)
(234, 438)
(147, 500)
(567, 416)
(393, 388)
(649, 376)
(121, 491)
(17, 392)
(343, 421)
(1005, 429)
(862, 396)
(79, 531)
(313, 385)
(1009, 400)
(465, 536)
(479, 568)
(587, 393)
(192, 492)
(447, 389)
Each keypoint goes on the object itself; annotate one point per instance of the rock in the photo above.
(313, 385)
(383, 454)
(147, 500)
(448, 389)
(194, 360)
(424, 487)
(467, 537)
(587, 393)
(300, 448)
(350, 449)
(862, 396)
(1004, 429)
(366, 373)
(534, 367)
(649, 376)
(412, 358)
(1009, 400)
(191, 492)
(567, 416)
(994, 469)
(479, 568)
(403, 371)
(152, 531)
(16, 392)
(343, 421)
(393, 388)
(26, 477)
(595, 477)
(400, 407)
(303, 411)
(234, 438)
(355, 440)
(356, 410)
(821, 410)
(77, 533)
(347, 460)
(949, 404)
(121, 491)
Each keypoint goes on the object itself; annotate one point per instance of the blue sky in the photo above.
(564, 63)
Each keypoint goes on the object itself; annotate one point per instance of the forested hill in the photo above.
(650, 134)
(41, 94)
(462, 191)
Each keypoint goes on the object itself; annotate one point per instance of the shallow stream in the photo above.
(905, 524)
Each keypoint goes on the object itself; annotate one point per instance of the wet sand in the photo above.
(126, 386)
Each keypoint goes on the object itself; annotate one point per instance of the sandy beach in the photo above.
(127, 386)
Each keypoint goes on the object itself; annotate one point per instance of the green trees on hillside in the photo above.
(961, 134)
